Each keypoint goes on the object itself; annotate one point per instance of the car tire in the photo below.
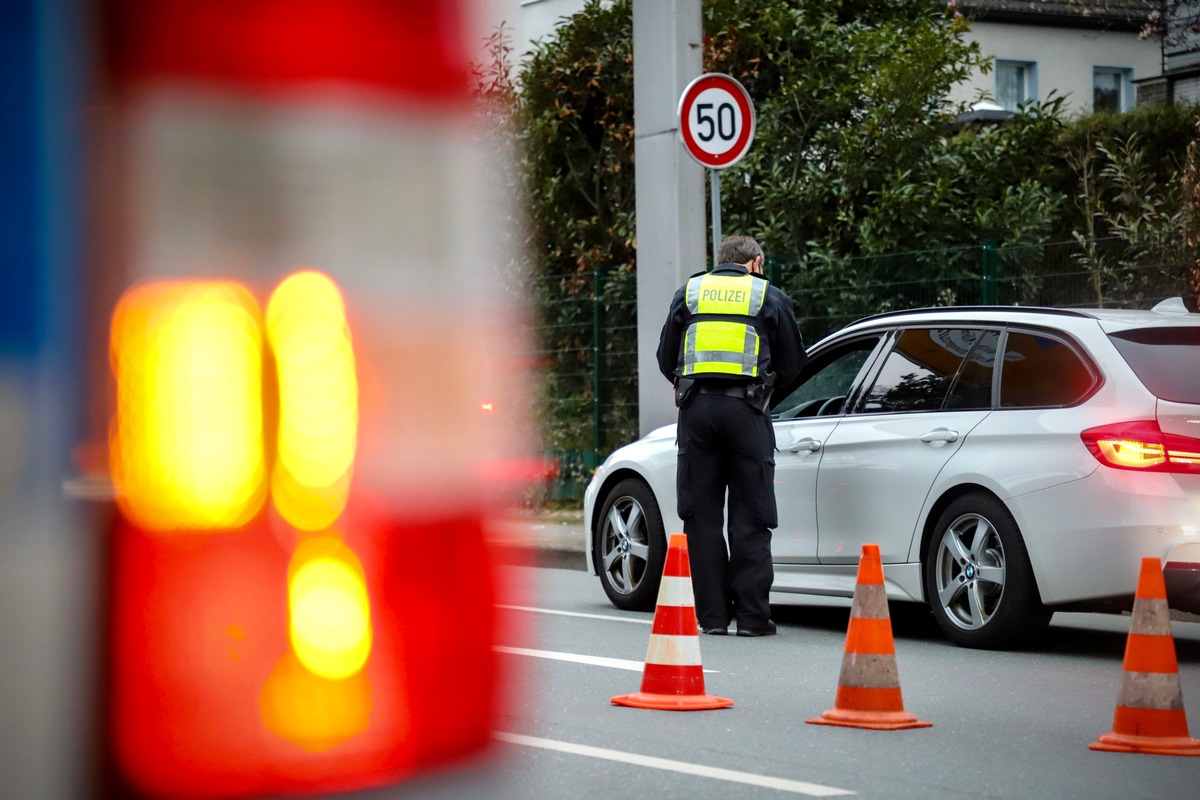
(978, 579)
(630, 546)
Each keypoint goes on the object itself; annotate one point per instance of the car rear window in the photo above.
(1040, 371)
(1166, 360)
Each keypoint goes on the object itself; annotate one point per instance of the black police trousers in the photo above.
(724, 444)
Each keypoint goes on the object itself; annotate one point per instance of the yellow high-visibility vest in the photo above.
(722, 338)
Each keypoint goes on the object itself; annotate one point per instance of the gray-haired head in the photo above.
(738, 250)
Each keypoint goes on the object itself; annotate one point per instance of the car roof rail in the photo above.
(1064, 312)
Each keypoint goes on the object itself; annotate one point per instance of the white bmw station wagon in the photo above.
(1008, 462)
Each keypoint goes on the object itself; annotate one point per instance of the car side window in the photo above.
(919, 370)
(972, 389)
(1039, 371)
(826, 380)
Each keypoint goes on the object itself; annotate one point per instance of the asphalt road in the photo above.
(1005, 725)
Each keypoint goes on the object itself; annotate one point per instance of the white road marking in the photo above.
(596, 661)
(576, 614)
(699, 770)
(599, 661)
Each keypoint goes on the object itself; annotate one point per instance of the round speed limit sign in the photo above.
(716, 120)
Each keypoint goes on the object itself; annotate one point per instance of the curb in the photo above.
(534, 556)
(543, 539)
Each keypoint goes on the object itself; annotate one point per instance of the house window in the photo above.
(1110, 90)
(1016, 83)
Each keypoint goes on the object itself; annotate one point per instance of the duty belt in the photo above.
(731, 390)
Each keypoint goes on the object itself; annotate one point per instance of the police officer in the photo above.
(728, 338)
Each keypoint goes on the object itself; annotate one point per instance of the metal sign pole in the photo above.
(715, 182)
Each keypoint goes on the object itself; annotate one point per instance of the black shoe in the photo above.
(766, 630)
(715, 631)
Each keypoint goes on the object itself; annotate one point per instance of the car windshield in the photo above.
(1166, 360)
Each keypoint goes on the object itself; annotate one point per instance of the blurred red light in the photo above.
(336, 632)
(201, 667)
(261, 657)
(416, 48)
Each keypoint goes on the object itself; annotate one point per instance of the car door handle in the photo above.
(811, 445)
(940, 435)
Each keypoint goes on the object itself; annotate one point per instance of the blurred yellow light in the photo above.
(187, 447)
(330, 613)
(318, 400)
(1130, 453)
(313, 712)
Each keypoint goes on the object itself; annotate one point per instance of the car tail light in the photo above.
(1141, 445)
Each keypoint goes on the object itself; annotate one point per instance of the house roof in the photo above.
(1127, 15)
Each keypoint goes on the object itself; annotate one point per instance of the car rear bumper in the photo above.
(1086, 538)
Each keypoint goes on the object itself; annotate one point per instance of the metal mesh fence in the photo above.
(587, 333)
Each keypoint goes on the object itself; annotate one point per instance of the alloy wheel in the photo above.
(970, 571)
(624, 545)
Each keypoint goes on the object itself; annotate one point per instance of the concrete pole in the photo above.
(667, 55)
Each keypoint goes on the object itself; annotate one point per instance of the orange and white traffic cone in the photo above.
(868, 694)
(673, 679)
(1150, 716)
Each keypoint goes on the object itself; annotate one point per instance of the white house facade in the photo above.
(1087, 51)
(1093, 53)
(1092, 69)
(533, 20)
